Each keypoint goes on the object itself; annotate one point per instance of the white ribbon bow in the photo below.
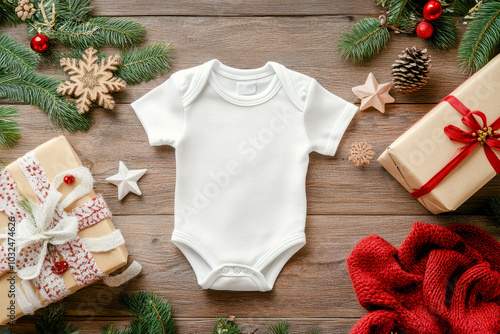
(38, 227)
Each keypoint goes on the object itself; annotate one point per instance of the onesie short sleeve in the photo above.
(161, 113)
(326, 117)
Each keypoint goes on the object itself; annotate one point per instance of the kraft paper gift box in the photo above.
(55, 157)
(426, 149)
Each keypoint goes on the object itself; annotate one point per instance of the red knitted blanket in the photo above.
(441, 280)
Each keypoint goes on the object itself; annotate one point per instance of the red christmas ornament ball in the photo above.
(69, 179)
(425, 29)
(39, 43)
(432, 10)
(60, 267)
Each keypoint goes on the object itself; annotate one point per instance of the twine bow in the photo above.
(480, 134)
(49, 224)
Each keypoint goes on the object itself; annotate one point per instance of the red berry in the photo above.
(69, 179)
(425, 29)
(60, 267)
(432, 10)
(39, 43)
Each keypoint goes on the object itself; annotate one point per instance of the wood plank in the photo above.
(295, 42)
(202, 325)
(235, 8)
(314, 284)
(334, 185)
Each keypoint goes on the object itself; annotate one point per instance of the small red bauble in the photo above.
(69, 179)
(425, 29)
(60, 267)
(432, 10)
(39, 43)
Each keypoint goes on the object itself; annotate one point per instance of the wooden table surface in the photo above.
(345, 204)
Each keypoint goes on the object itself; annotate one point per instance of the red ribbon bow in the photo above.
(485, 135)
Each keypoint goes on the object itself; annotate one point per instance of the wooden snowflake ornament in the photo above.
(91, 81)
(361, 153)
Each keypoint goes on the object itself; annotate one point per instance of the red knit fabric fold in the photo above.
(441, 280)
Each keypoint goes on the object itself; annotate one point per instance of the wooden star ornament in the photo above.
(373, 94)
(91, 81)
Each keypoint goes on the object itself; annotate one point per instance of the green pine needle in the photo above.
(366, 38)
(280, 328)
(314, 331)
(445, 33)
(9, 129)
(142, 65)
(16, 57)
(53, 321)
(482, 38)
(225, 326)
(151, 314)
(40, 90)
(119, 32)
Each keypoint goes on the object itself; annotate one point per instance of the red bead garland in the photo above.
(39, 43)
(69, 179)
(432, 10)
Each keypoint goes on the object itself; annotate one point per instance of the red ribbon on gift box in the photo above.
(484, 135)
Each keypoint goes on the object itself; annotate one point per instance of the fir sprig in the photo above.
(280, 328)
(7, 14)
(225, 326)
(151, 314)
(142, 65)
(16, 57)
(9, 128)
(119, 32)
(401, 14)
(40, 90)
(53, 321)
(462, 7)
(445, 33)
(366, 38)
(78, 10)
(482, 37)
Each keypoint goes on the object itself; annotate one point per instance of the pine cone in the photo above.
(25, 10)
(410, 70)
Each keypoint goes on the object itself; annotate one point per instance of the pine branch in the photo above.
(9, 128)
(40, 90)
(16, 57)
(462, 7)
(280, 328)
(151, 314)
(382, 3)
(225, 326)
(145, 64)
(77, 35)
(401, 14)
(119, 32)
(78, 10)
(492, 208)
(366, 38)
(53, 321)
(482, 37)
(445, 33)
(7, 14)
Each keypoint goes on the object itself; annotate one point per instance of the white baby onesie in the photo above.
(242, 139)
